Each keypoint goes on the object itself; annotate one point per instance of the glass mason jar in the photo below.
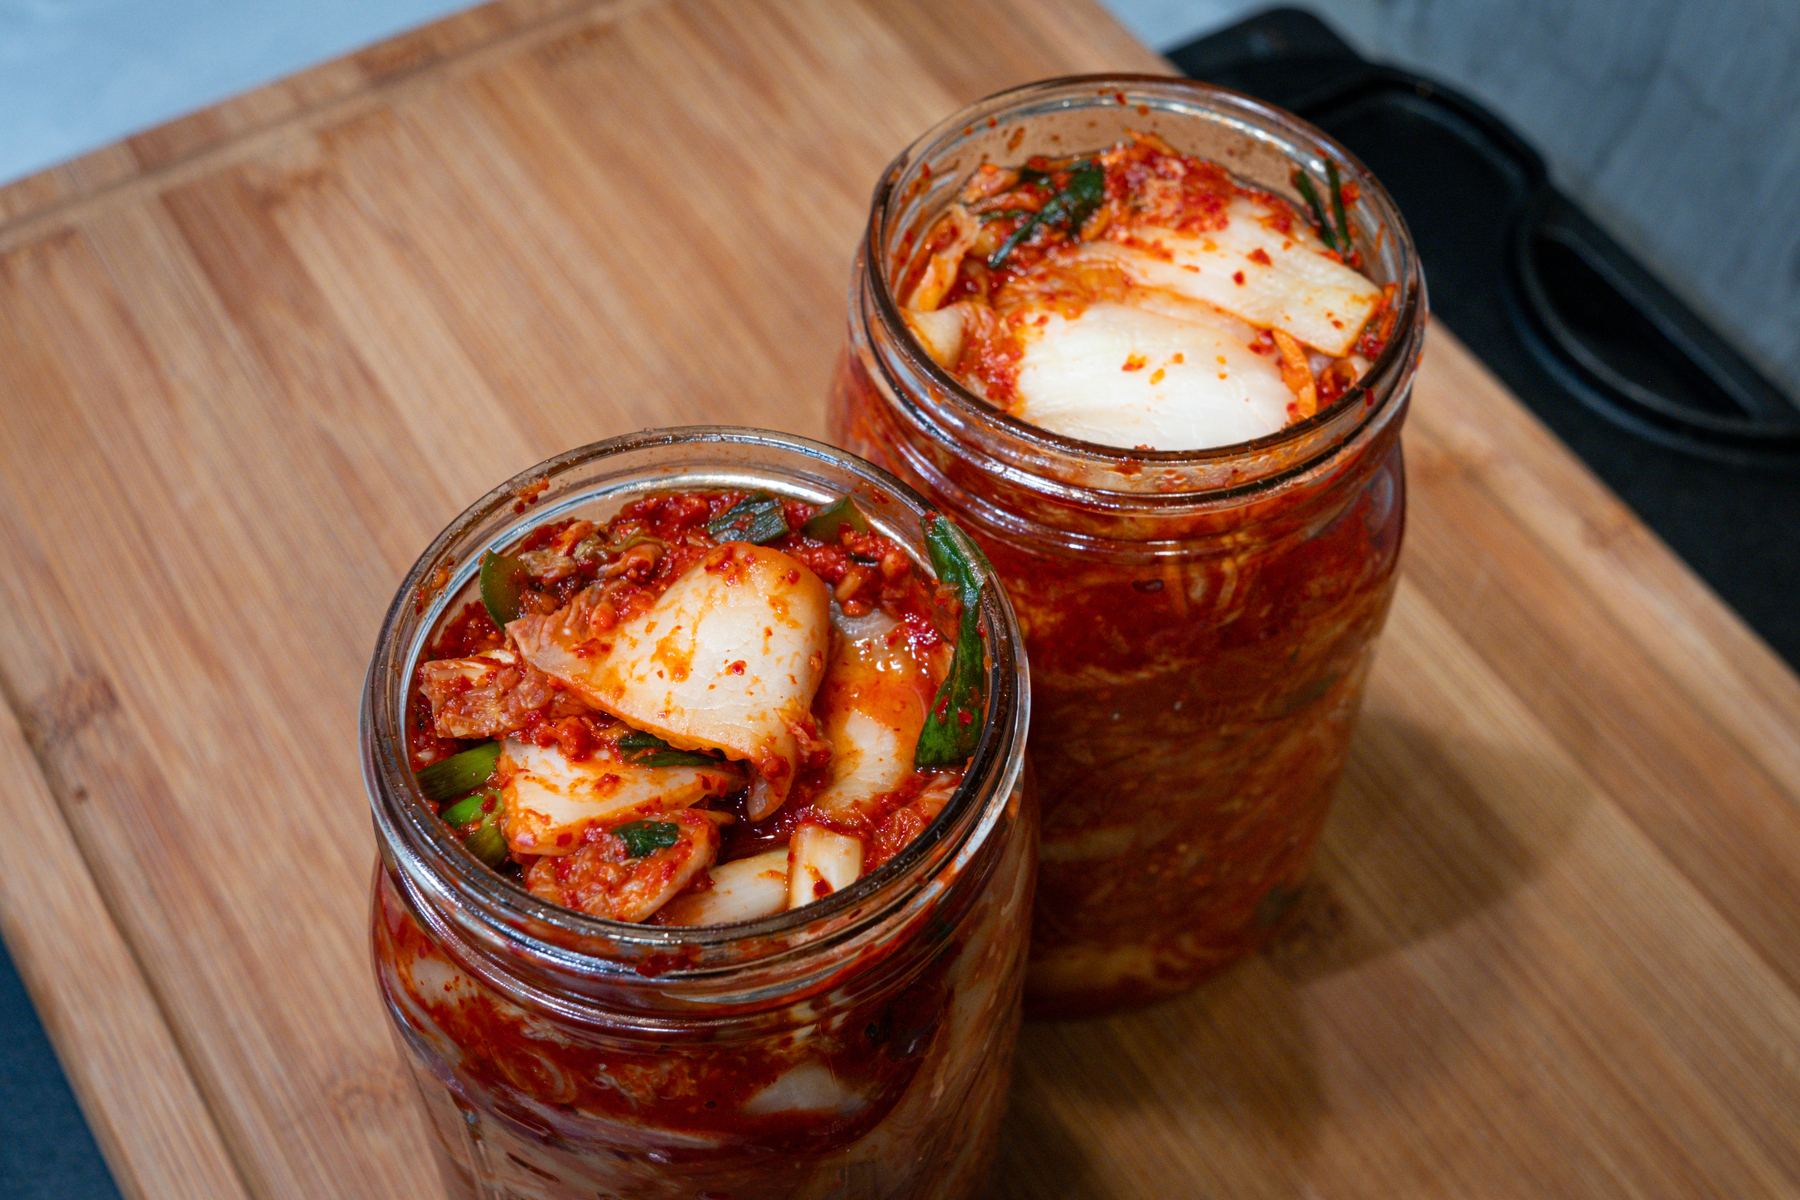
(857, 1047)
(1200, 623)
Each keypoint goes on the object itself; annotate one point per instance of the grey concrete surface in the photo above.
(1675, 123)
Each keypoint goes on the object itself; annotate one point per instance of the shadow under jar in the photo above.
(1200, 623)
(856, 1047)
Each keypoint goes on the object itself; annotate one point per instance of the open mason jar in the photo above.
(1200, 623)
(858, 1046)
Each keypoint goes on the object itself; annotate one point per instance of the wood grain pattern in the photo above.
(124, 1066)
(250, 368)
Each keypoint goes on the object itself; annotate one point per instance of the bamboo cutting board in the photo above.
(252, 361)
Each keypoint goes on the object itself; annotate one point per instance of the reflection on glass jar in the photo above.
(1200, 623)
(856, 1047)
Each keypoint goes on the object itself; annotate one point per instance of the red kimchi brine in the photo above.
(1151, 343)
(696, 758)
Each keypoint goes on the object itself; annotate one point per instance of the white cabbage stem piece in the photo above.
(1287, 283)
(941, 331)
(547, 802)
(1152, 370)
(741, 891)
(807, 1086)
(872, 707)
(940, 271)
(728, 658)
(821, 861)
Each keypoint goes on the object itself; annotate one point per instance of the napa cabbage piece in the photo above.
(603, 877)
(1288, 282)
(941, 331)
(872, 707)
(489, 694)
(1150, 370)
(807, 1086)
(940, 270)
(728, 658)
(547, 801)
(742, 890)
(821, 861)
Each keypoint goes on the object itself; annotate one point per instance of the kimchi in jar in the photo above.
(1151, 343)
(706, 862)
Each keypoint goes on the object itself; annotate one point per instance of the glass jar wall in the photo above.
(1200, 624)
(858, 1047)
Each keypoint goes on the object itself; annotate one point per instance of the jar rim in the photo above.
(408, 826)
(1392, 364)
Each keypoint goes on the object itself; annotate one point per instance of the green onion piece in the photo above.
(502, 579)
(828, 523)
(460, 773)
(1311, 195)
(676, 758)
(1337, 207)
(756, 518)
(465, 811)
(647, 837)
(953, 726)
(1069, 209)
(647, 750)
(487, 842)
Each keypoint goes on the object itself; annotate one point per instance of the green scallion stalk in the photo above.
(757, 518)
(1310, 194)
(953, 725)
(460, 773)
(502, 581)
(1068, 209)
(467, 810)
(487, 843)
(1337, 209)
(827, 525)
(647, 750)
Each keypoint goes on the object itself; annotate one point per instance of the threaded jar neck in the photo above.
(572, 964)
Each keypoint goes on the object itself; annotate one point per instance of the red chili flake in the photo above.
(529, 494)
(1237, 277)
(737, 668)
(1134, 363)
(1259, 255)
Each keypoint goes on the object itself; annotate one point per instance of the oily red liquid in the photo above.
(913, 1071)
(1189, 721)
